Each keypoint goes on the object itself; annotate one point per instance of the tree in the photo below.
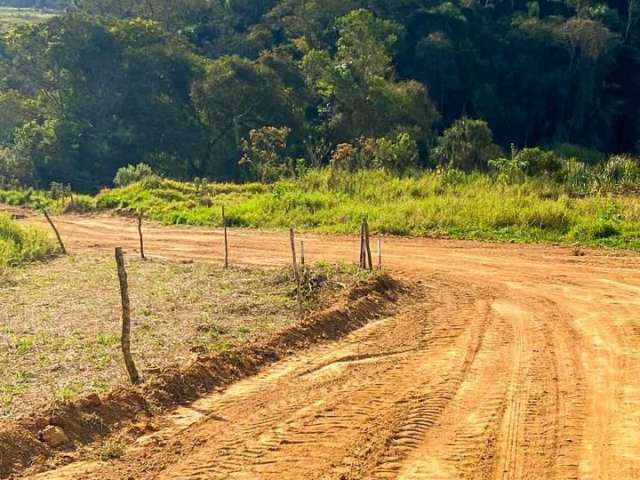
(16, 110)
(355, 90)
(466, 145)
(234, 97)
(366, 43)
(108, 95)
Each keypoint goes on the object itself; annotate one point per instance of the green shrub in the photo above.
(131, 174)
(396, 154)
(585, 155)
(594, 230)
(393, 154)
(619, 174)
(467, 145)
(509, 170)
(577, 177)
(20, 245)
(539, 162)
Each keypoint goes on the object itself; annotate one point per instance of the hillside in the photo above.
(254, 89)
(11, 17)
(36, 4)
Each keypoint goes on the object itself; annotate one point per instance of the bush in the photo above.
(577, 177)
(19, 245)
(526, 162)
(396, 155)
(539, 162)
(585, 155)
(619, 174)
(467, 145)
(349, 158)
(132, 174)
(263, 153)
(597, 230)
(393, 154)
(509, 170)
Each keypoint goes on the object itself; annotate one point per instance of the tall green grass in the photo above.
(19, 245)
(436, 203)
(433, 203)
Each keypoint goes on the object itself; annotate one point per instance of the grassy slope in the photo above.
(433, 203)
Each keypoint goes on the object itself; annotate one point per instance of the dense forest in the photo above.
(235, 89)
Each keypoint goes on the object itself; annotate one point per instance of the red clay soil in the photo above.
(94, 417)
(506, 361)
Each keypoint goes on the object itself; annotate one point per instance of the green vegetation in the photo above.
(469, 119)
(19, 244)
(11, 18)
(441, 202)
(590, 205)
(111, 451)
(261, 89)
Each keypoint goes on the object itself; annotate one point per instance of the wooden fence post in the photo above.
(296, 273)
(379, 254)
(126, 319)
(367, 245)
(55, 230)
(226, 239)
(362, 247)
(140, 235)
(302, 261)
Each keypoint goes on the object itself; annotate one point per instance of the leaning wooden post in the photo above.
(302, 261)
(296, 273)
(369, 259)
(362, 247)
(140, 235)
(126, 319)
(55, 230)
(379, 254)
(226, 239)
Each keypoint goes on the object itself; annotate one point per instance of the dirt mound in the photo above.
(361, 304)
(94, 417)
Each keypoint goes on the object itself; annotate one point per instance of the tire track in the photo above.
(514, 362)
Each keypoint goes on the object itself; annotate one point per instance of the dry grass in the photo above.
(60, 321)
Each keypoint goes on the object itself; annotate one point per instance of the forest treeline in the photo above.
(235, 89)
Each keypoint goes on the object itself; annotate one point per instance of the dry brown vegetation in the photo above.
(60, 321)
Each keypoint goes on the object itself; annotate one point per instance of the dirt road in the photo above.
(506, 362)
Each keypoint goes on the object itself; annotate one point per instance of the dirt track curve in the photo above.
(507, 362)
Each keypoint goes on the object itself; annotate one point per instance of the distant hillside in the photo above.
(261, 89)
(11, 17)
(38, 4)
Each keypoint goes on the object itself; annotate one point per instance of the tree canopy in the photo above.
(181, 84)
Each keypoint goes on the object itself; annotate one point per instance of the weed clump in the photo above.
(19, 245)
